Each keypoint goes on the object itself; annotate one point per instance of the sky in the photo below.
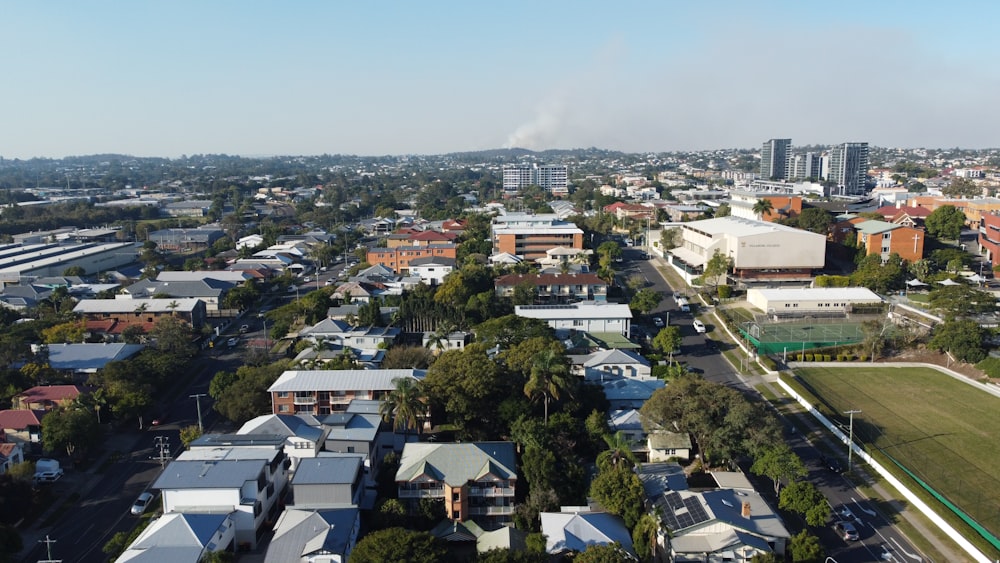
(428, 77)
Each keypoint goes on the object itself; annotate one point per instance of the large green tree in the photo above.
(247, 396)
(963, 338)
(957, 301)
(668, 341)
(400, 545)
(804, 498)
(762, 207)
(815, 220)
(70, 429)
(620, 492)
(645, 300)
(779, 463)
(463, 386)
(945, 222)
(724, 423)
(805, 548)
(604, 553)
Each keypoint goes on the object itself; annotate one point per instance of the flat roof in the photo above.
(342, 379)
(740, 227)
(814, 293)
(584, 309)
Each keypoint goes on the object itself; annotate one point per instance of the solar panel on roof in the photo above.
(696, 510)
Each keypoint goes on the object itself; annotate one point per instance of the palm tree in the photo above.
(405, 405)
(763, 207)
(619, 450)
(549, 376)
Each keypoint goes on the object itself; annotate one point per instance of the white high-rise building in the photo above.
(551, 177)
(805, 165)
(774, 156)
(849, 168)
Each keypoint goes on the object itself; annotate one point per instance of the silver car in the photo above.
(141, 503)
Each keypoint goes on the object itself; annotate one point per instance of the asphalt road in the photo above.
(878, 539)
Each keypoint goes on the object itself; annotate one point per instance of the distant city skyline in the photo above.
(310, 77)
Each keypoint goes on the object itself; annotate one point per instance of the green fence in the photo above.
(793, 337)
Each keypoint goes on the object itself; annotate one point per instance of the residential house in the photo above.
(339, 333)
(631, 211)
(456, 340)
(237, 482)
(668, 446)
(362, 433)
(11, 454)
(323, 392)
(561, 256)
(586, 316)
(610, 364)
(86, 358)
(475, 480)
(431, 270)
(628, 393)
(182, 538)
(211, 291)
(143, 312)
(304, 437)
(712, 525)
(249, 241)
(46, 397)
(22, 426)
(556, 288)
(907, 216)
(328, 482)
(575, 528)
(314, 535)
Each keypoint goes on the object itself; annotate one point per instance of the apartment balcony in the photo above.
(492, 492)
(340, 400)
(491, 510)
(304, 400)
(421, 493)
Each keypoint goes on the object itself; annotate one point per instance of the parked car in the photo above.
(699, 326)
(658, 322)
(233, 342)
(846, 530)
(244, 329)
(141, 504)
(44, 477)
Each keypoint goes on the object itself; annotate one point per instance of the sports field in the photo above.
(941, 429)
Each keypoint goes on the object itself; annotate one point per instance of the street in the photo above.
(878, 539)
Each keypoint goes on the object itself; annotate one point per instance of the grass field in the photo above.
(943, 430)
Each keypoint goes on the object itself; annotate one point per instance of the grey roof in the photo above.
(457, 464)
(83, 357)
(274, 441)
(343, 380)
(658, 478)
(726, 505)
(428, 260)
(327, 470)
(225, 474)
(355, 427)
(571, 531)
(285, 425)
(874, 227)
(186, 288)
(300, 533)
(614, 356)
(669, 440)
(631, 389)
(364, 406)
(720, 541)
(175, 537)
(583, 309)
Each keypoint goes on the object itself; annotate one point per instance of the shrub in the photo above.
(826, 357)
(809, 357)
(725, 291)
(798, 357)
(862, 358)
(990, 366)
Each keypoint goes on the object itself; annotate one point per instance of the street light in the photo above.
(263, 321)
(197, 397)
(850, 441)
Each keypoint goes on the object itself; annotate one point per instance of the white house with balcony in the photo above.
(243, 482)
(586, 316)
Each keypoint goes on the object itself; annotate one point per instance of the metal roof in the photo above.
(815, 293)
(343, 380)
(196, 474)
(457, 464)
(327, 470)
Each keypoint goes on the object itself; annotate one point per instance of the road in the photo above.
(703, 353)
(102, 511)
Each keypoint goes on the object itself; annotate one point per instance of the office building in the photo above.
(849, 168)
(774, 157)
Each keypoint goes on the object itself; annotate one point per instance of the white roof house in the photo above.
(181, 538)
(757, 248)
(586, 316)
(610, 364)
(95, 306)
(576, 528)
(811, 299)
(342, 379)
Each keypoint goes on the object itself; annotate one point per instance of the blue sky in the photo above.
(375, 78)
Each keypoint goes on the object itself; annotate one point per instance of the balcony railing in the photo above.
(491, 492)
(305, 400)
(491, 510)
(421, 493)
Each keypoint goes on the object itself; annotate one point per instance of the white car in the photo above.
(699, 326)
(141, 504)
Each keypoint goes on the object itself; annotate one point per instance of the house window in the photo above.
(282, 394)
(283, 408)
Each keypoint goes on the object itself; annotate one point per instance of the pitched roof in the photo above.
(89, 357)
(575, 531)
(301, 533)
(457, 464)
(342, 380)
(873, 227)
(53, 393)
(175, 537)
(614, 356)
(283, 425)
(20, 420)
(327, 470)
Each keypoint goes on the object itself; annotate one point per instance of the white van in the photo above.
(682, 302)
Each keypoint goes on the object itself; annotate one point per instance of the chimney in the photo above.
(746, 510)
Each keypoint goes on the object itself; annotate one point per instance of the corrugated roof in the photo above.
(343, 380)
(225, 474)
(816, 293)
(457, 464)
(327, 470)
(873, 227)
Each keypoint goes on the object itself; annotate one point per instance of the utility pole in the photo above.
(197, 397)
(850, 442)
(48, 549)
(162, 443)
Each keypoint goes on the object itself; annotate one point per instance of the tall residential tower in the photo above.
(774, 157)
(849, 168)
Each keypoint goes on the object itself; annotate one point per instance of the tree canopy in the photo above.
(945, 222)
(398, 544)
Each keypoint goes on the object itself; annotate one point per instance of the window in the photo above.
(282, 394)
(283, 408)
